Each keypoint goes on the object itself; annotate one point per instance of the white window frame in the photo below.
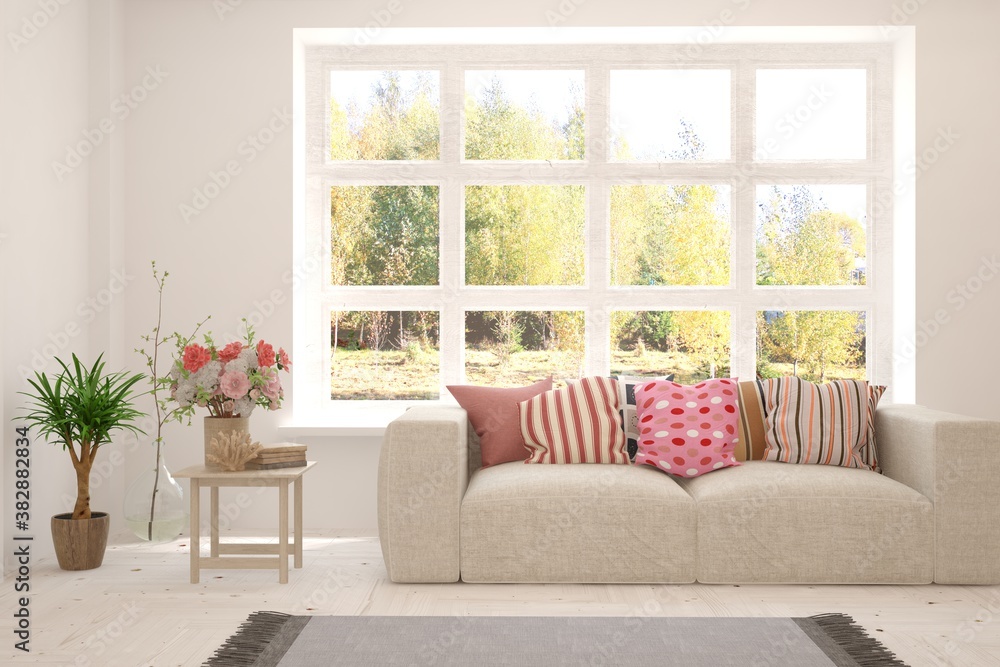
(742, 297)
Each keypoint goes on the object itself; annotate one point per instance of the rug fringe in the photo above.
(865, 650)
(253, 636)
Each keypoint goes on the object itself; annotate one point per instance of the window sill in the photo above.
(368, 419)
(336, 429)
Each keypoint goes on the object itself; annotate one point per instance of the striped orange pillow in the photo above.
(815, 423)
(752, 443)
(579, 423)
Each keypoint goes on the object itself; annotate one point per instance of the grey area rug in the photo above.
(272, 639)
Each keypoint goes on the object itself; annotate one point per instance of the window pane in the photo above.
(811, 234)
(384, 115)
(815, 345)
(384, 355)
(524, 234)
(659, 115)
(516, 348)
(693, 345)
(809, 114)
(670, 234)
(524, 115)
(384, 235)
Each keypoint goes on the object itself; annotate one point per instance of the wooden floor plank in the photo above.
(139, 609)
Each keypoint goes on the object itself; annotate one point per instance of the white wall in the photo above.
(226, 76)
(44, 252)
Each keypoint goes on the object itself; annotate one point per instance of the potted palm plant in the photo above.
(79, 409)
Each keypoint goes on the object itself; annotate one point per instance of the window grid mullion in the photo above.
(743, 335)
(451, 328)
(597, 329)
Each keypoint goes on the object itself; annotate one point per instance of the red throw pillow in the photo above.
(494, 416)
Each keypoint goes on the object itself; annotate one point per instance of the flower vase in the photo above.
(156, 516)
(216, 426)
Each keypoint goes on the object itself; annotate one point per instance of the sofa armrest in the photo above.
(954, 461)
(422, 476)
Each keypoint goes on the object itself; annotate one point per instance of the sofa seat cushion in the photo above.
(771, 522)
(576, 523)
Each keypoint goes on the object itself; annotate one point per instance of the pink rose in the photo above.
(234, 384)
(195, 357)
(230, 351)
(272, 386)
(284, 363)
(265, 354)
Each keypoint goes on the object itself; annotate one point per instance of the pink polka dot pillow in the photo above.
(688, 430)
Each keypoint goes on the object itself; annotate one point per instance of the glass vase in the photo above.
(154, 505)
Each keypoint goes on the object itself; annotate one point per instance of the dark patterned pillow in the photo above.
(626, 399)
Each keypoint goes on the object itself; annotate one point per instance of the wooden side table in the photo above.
(245, 556)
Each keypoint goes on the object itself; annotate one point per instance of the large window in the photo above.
(499, 214)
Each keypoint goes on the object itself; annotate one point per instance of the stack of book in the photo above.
(278, 456)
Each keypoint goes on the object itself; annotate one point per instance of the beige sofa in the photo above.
(932, 517)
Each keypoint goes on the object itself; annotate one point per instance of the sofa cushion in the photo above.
(576, 523)
(769, 522)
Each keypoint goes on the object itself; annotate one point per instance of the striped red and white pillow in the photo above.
(578, 423)
(809, 423)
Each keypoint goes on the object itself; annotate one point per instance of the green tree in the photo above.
(670, 234)
(801, 242)
(509, 232)
(386, 235)
(816, 339)
(655, 328)
(508, 329)
(498, 129)
(705, 335)
(397, 124)
(510, 228)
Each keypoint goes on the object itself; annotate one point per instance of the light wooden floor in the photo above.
(139, 609)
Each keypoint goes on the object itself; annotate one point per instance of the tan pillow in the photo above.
(751, 445)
